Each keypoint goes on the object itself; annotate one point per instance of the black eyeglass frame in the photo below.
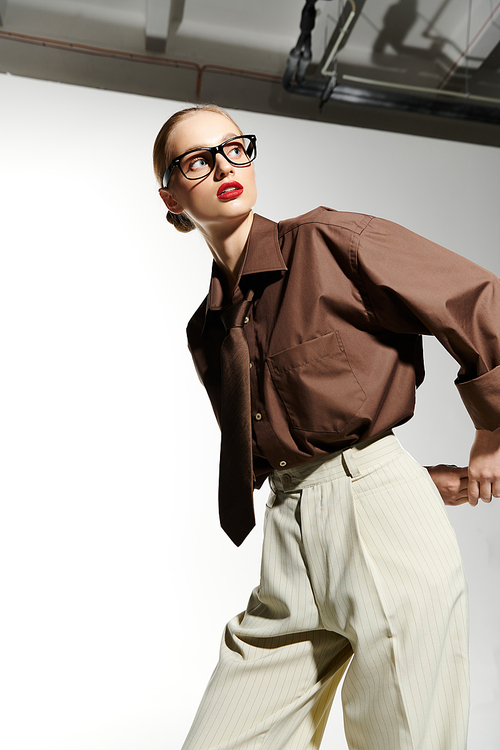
(214, 150)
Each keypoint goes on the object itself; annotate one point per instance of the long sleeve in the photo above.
(414, 286)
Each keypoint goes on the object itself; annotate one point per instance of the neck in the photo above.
(227, 244)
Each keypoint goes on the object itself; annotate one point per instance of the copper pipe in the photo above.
(255, 75)
(135, 57)
(97, 51)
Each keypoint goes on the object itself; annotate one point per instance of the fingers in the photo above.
(461, 484)
(484, 466)
(473, 491)
(483, 489)
(457, 498)
(451, 482)
(459, 494)
(464, 485)
(457, 501)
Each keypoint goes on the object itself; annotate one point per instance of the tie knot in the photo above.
(234, 316)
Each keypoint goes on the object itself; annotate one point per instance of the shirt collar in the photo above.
(261, 254)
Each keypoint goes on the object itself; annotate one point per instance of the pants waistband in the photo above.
(352, 462)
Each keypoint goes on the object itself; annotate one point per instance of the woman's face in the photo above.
(204, 200)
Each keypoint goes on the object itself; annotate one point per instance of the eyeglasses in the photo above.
(240, 151)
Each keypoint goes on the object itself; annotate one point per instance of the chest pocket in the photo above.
(317, 385)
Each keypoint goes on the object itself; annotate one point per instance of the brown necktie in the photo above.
(235, 472)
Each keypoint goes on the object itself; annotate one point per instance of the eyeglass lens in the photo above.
(197, 164)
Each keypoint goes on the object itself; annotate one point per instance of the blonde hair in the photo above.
(162, 155)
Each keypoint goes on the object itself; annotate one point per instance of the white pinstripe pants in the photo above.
(359, 558)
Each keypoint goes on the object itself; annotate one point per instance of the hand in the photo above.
(452, 483)
(484, 466)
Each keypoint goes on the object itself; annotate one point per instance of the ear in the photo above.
(170, 202)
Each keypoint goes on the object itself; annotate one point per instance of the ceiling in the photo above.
(430, 67)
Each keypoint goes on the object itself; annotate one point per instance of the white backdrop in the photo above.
(116, 580)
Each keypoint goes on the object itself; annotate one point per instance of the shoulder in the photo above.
(326, 219)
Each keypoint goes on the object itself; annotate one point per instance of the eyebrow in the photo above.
(226, 137)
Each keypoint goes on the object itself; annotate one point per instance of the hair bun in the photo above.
(181, 222)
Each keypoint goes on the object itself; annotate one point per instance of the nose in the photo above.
(222, 167)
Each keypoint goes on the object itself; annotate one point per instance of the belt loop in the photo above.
(349, 463)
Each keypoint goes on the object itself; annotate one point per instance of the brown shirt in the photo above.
(334, 334)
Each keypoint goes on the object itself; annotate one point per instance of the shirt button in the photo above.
(258, 416)
(283, 463)
(251, 365)
(286, 478)
(245, 321)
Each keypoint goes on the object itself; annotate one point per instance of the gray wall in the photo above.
(116, 580)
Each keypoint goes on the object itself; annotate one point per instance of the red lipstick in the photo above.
(229, 190)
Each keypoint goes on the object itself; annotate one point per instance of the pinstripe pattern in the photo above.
(359, 556)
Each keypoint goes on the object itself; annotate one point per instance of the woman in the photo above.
(309, 345)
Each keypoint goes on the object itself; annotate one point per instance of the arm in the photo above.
(416, 286)
(431, 290)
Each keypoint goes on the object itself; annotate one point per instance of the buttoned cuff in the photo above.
(481, 397)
